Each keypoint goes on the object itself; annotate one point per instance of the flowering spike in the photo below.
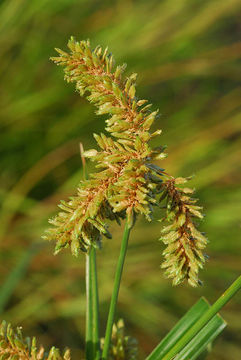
(183, 254)
(127, 183)
(14, 346)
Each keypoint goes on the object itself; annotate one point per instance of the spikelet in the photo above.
(126, 182)
(120, 187)
(122, 347)
(183, 254)
(14, 347)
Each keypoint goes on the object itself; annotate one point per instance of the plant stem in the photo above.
(92, 307)
(92, 342)
(95, 306)
(89, 310)
(115, 292)
(227, 295)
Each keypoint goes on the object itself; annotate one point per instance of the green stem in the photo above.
(227, 295)
(95, 306)
(89, 310)
(92, 308)
(115, 292)
(92, 342)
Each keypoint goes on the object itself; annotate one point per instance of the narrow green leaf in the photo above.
(179, 329)
(204, 319)
(200, 342)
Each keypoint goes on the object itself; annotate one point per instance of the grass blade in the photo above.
(201, 328)
(179, 329)
(204, 319)
(200, 342)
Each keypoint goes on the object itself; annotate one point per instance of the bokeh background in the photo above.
(187, 55)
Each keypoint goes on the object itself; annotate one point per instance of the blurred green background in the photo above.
(187, 55)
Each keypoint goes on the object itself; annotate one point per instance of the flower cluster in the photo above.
(122, 347)
(123, 185)
(183, 254)
(14, 346)
(127, 182)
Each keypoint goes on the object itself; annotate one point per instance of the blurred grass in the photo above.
(187, 55)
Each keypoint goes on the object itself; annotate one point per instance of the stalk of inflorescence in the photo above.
(114, 298)
(89, 310)
(205, 318)
(95, 304)
(92, 343)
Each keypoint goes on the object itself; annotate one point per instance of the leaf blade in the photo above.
(205, 336)
(177, 331)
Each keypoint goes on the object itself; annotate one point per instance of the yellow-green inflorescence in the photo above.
(13, 346)
(127, 182)
(183, 254)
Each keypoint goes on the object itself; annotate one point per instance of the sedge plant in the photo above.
(128, 182)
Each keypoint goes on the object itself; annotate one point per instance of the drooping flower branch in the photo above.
(183, 254)
(127, 182)
(14, 346)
